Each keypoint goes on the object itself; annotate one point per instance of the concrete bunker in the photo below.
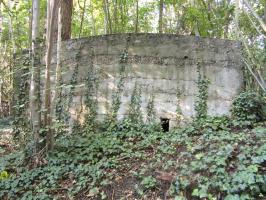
(162, 65)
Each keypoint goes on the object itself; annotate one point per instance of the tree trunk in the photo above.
(177, 18)
(35, 76)
(1, 18)
(11, 29)
(92, 19)
(47, 89)
(227, 18)
(67, 6)
(123, 14)
(55, 28)
(1, 106)
(137, 17)
(160, 24)
(58, 76)
(66, 9)
(82, 18)
(115, 29)
(107, 18)
(30, 26)
(237, 18)
(14, 47)
(265, 13)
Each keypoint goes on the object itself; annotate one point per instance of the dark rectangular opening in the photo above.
(165, 124)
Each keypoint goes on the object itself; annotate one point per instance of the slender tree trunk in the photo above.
(48, 13)
(82, 18)
(107, 18)
(58, 76)
(1, 18)
(1, 25)
(263, 69)
(177, 18)
(14, 47)
(92, 19)
(1, 106)
(47, 89)
(115, 16)
(137, 17)
(122, 23)
(227, 18)
(30, 25)
(35, 76)
(236, 18)
(11, 31)
(264, 13)
(160, 23)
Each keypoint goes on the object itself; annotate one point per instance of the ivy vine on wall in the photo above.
(91, 85)
(134, 113)
(202, 96)
(150, 109)
(179, 114)
(21, 124)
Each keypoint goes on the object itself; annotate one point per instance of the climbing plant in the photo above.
(116, 97)
(91, 87)
(21, 124)
(202, 96)
(179, 115)
(151, 109)
(135, 115)
(73, 84)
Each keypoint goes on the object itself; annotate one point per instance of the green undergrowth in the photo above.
(214, 160)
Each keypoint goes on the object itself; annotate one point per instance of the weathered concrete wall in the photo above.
(162, 65)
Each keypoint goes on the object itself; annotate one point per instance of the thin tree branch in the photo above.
(256, 78)
(263, 25)
(10, 13)
(257, 29)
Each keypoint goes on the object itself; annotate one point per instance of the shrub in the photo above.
(249, 106)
